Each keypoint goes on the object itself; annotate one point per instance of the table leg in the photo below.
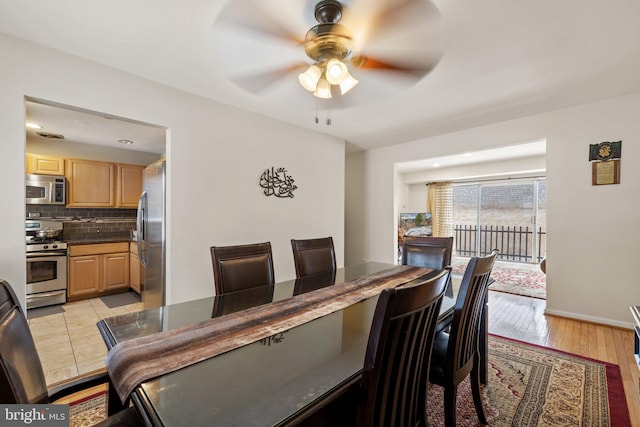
(113, 401)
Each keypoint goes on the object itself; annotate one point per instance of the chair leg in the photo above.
(450, 395)
(477, 397)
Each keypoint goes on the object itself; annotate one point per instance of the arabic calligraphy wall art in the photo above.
(605, 168)
(276, 182)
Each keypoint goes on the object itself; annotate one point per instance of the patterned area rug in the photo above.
(88, 411)
(519, 279)
(535, 386)
(528, 386)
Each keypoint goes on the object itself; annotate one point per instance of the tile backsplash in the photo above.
(107, 229)
(89, 224)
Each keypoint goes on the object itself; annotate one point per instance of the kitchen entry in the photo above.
(94, 251)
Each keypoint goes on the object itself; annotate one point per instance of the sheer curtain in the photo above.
(440, 204)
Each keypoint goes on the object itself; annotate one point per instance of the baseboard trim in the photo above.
(591, 319)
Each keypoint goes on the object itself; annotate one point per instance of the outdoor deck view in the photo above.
(508, 217)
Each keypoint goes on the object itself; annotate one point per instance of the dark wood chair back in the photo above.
(240, 267)
(428, 252)
(456, 354)
(22, 379)
(396, 366)
(21, 376)
(313, 256)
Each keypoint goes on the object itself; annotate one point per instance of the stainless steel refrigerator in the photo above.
(150, 225)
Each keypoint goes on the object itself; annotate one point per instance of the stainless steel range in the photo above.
(46, 263)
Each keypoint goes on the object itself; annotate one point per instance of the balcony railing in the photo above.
(514, 243)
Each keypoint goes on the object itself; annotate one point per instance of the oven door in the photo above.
(46, 279)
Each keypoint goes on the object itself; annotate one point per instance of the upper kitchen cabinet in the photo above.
(90, 184)
(129, 185)
(45, 165)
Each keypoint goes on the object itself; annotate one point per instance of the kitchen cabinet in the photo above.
(97, 269)
(41, 164)
(90, 183)
(83, 277)
(135, 268)
(93, 184)
(129, 185)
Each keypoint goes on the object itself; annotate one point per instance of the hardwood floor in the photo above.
(523, 319)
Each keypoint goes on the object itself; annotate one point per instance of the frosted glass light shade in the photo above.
(336, 71)
(323, 89)
(348, 83)
(309, 79)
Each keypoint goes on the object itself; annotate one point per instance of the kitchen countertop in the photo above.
(96, 240)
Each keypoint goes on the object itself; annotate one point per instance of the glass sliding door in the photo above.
(509, 216)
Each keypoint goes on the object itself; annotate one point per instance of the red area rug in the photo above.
(512, 278)
(528, 386)
(88, 411)
(531, 385)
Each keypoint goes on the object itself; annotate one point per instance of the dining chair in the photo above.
(240, 267)
(312, 256)
(22, 379)
(396, 365)
(428, 252)
(456, 353)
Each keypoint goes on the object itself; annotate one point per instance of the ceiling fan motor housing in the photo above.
(328, 39)
(328, 11)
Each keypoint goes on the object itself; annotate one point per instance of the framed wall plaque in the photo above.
(606, 172)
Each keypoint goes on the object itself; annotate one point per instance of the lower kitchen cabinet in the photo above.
(97, 269)
(83, 276)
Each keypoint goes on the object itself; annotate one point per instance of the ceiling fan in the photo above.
(376, 45)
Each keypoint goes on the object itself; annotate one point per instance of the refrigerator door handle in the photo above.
(141, 221)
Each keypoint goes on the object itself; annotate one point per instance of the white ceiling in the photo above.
(517, 151)
(91, 128)
(502, 58)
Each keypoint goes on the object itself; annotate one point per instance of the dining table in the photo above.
(295, 376)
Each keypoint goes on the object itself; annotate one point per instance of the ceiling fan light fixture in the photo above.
(336, 72)
(323, 89)
(309, 79)
(348, 83)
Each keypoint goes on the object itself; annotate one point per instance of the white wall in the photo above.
(592, 269)
(215, 157)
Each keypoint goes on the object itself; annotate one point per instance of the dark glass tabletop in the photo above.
(268, 382)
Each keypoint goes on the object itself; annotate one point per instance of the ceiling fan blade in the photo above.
(256, 17)
(262, 81)
(416, 70)
(396, 35)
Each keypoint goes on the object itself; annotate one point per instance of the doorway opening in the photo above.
(495, 199)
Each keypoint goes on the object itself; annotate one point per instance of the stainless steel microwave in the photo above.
(45, 190)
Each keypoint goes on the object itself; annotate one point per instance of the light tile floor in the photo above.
(69, 344)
